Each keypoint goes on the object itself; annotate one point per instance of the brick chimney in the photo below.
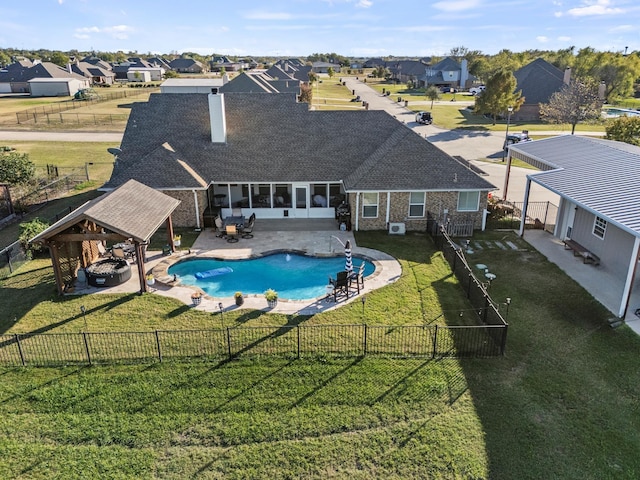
(217, 117)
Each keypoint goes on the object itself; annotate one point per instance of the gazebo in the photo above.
(131, 212)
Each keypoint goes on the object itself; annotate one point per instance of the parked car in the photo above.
(448, 89)
(477, 90)
(424, 118)
(516, 138)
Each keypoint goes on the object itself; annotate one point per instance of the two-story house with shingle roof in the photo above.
(538, 81)
(272, 156)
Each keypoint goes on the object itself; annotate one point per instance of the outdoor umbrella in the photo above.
(348, 266)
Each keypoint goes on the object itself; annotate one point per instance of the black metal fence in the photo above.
(11, 258)
(35, 198)
(430, 341)
(474, 289)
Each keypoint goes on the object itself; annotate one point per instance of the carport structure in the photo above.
(131, 212)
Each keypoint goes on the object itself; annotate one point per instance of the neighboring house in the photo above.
(374, 63)
(448, 73)
(538, 81)
(121, 70)
(217, 63)
(192, 85)
(272, 156)
(261, 82)
(97, 62)
(323, 67)
(186, 65)
(597, 181)
(404, 71)
(287, 69)
(16, 78)
(158, 62)
(96, 74)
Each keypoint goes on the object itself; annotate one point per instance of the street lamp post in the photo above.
(506, 135)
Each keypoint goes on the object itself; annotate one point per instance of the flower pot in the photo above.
(196, 300)
(272, 303)
(239, 300)
(151, 281)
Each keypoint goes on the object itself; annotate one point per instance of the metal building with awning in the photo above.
(132, 212)
(598, 184)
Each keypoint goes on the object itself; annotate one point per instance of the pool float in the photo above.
(212, 273)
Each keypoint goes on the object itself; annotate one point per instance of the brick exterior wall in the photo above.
(185, 214)
(436, 203)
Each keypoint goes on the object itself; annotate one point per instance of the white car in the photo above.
(477, 90)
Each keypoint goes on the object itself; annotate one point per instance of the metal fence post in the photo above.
(229, 341)
(158, 346)
(435, 341)
(22, 360)
(86, 346)
(298, 333)
(364, 343)
(503, 346)
(486, 309)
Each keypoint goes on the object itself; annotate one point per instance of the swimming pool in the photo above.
(293, 276)
(619, 112)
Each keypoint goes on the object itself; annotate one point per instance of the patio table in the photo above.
(237, 221)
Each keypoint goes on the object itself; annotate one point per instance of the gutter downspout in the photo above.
(388, 216)
(507, 174)
(357, 210)
(195, 201)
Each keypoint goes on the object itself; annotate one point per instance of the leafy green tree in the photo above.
(59, 59)
(499, 95)
(432, 93)
(573, 103)
(624, 129)
(171, 74)
(330, 72)
(312, 77)
(28, 230)
(4, 58)
(16, 168)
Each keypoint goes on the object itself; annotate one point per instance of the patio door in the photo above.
(301, 201)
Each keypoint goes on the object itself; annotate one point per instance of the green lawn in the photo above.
(563, 403)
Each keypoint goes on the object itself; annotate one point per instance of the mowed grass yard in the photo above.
(563, 403)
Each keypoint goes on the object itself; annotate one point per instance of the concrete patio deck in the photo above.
(319, 237)
(600, 283)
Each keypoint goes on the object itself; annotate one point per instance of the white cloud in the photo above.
(622, 28)
(82, 36)
(364, 3)
(457, 5)
(564, 39)
(595, 7)
(120, 32)
(542, 39)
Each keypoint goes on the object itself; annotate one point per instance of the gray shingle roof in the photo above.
(538, 80)
(133, 210)
(599, 175)
(271, 138)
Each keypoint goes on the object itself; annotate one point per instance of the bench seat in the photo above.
(580, 251)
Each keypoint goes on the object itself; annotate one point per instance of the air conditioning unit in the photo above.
(396, 229)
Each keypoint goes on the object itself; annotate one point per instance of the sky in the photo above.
(355, 28)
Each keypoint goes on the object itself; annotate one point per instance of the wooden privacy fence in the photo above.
(432, 341)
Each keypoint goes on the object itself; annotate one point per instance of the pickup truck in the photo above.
(477, 90)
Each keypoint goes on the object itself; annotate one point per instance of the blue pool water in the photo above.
(294, 277)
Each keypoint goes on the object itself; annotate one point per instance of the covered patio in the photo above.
(131, 213)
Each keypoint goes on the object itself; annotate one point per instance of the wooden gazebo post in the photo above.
(170, 233)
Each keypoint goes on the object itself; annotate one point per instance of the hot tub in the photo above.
(108, 273)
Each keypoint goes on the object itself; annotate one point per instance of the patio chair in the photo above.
(340, 285)
(247, 230)
(118, 252)
(357, 278)
(220, 231)
(232, 233)
(236, 212)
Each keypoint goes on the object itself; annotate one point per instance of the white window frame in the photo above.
(422, 204)
(599, 227)
(466, 193)
(367, 204)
